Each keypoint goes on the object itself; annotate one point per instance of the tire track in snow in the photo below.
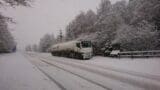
(143, 75)
(133, 73)
(145, 85)
(49, 77)
(53, 80)
(106, 88)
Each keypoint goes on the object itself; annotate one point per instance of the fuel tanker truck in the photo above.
(74, 49)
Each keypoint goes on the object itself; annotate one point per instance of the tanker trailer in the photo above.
(73, 49)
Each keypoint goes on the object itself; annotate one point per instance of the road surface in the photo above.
(35, 71)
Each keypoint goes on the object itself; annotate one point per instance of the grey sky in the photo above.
(46, 16)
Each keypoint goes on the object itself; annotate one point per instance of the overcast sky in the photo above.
(46, 16)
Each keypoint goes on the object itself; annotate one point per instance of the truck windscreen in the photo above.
(86, 44)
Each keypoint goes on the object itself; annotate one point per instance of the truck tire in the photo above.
(52, 53)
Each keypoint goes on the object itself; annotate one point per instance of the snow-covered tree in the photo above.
(14, 2)
(60, 38)
(46, 42)
(7, 43)
(28, 48)
(133, 38)
(110, 18)
(146, 10)
(104, 8)
(35, 48)
(134, 24)
(69, 32)
(82, 24)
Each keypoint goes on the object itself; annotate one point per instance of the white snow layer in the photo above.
(17, 73)
(150, 66)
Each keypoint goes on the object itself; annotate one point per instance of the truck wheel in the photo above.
(71, 55)
(52, 54)
(82, 57)
(79, 56)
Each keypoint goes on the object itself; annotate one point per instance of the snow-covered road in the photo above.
(39, 71)
(17, 73)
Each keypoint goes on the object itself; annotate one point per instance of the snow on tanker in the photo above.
(74, 49)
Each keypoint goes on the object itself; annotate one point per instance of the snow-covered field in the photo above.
(41, 71)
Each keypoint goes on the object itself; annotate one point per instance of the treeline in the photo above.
(7, 43)
(132, 25)
(46, 42)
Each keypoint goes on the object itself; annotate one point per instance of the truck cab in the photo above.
(85, 49)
